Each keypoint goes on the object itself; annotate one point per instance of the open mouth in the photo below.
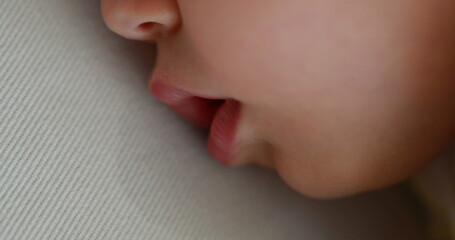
(197, 110)
(220, 116)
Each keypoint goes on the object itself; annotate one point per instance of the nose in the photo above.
(145, 20)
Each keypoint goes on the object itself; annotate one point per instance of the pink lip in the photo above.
(221, 143)
(221, 116)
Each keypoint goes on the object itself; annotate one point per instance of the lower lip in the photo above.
(221, 142)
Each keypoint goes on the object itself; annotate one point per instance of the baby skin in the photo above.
(339, 97)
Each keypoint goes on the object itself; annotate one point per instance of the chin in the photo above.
(332, 187)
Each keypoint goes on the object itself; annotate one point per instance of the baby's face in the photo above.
(337, 96)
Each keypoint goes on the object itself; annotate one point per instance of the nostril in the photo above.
(146, 27)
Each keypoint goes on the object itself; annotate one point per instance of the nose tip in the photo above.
(141, 19)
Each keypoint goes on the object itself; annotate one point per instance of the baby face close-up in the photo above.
(339, 97)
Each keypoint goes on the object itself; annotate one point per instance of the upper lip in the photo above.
(162, 79)
(172, 95)
(198, 109)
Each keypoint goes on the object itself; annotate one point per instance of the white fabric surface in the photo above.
(87, 153)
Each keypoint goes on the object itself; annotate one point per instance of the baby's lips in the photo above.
(199, 111)
(168, 94)
(220, 115)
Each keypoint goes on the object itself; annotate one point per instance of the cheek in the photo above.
(346, 139)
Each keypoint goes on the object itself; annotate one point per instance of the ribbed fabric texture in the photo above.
(87, 153)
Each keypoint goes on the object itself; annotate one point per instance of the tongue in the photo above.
(199, 111)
